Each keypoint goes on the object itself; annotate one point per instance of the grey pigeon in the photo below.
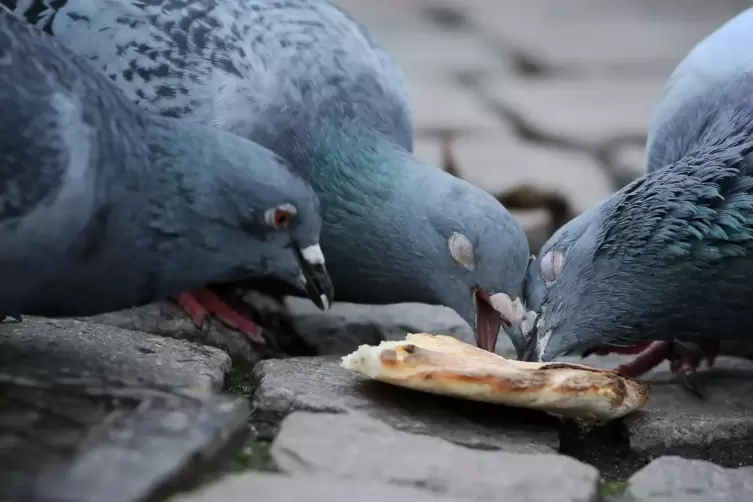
(304, 79)
(104, 206)
(669, 258)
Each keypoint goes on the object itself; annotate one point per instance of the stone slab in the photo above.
(429, 149)
(499, 163)
(320, 385)
(614, 36)
(674, 422)
(583, 111)
(718, 429)
(626, 161)
(92, 412)
(434, 52)
(440, 103)
(345, 326)
(369, 449)
(675, 479)
(306, 488)
(67, 346)
(338, 331)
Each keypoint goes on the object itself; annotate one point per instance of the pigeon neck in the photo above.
(374, 196)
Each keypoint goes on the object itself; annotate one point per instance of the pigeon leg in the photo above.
(685, 358)
(651, 355)
(203, 304)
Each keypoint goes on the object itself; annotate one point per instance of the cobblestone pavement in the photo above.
(554, 94)
(550, 94)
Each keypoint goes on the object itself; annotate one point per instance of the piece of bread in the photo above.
(444, 365)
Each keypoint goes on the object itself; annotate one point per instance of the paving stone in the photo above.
(435, 52)
(100, 350)
(320, 385)
(366, 448)
(582, 111)
(675, 479)
(537, 225)
(345, 326)
(616, 36)
(720, 429)
(627, 161)
(386, 16)
(498, 163)
(306, 488)
(673, 422)
(428, 148)
(92, 412)
(442, 104)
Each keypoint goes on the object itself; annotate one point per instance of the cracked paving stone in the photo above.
(498, 163)
(441, 104)
(92, 412)
(165, 319)
(319, 384)
(627, 161)
(719, 429)
(64, 346)
(436, 52)
(307, 488)
(675, 479)
(673, 422)
(582, 111)
(354, 445)
(429, 149)
(602, 36)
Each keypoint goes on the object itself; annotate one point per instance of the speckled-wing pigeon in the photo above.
(304, 79)
(668, 258)
(104, 206)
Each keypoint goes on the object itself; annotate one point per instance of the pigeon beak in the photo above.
(500, 311)
(488, 320)
(314, 277)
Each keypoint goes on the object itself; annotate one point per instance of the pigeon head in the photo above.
(626, 270)
(410, 232)
(250, 216)
(480, 258)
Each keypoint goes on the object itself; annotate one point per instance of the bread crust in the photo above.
(444, 365)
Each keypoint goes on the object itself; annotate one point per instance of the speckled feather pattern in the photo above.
(669, 255)
(235, 64)
(700, 208)
(305, 80)
(104, 206)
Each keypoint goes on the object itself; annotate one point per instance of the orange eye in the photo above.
(280, 217)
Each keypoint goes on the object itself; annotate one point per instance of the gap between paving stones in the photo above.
(451, 19)
(315, 387)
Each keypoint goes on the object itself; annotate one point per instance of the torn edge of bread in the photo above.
(366, 359)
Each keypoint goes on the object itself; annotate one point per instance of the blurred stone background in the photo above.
(553, 94)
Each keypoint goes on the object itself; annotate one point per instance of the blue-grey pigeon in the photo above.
(667, 259)
(105, 206)
(304, 79)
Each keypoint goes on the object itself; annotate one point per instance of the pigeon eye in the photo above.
(461, 250)
(280, 217)
(552, 264)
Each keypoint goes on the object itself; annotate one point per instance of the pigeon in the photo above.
(105, 206)
(307, 81)
(663, 265)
